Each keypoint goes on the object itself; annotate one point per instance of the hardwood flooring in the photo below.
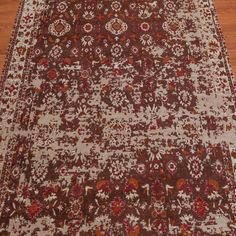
(226, 11)
(8, 10)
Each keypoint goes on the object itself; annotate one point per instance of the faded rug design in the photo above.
(117, 118)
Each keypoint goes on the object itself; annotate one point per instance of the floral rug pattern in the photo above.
(117, 118)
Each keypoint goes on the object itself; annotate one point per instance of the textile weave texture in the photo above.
(117, 118)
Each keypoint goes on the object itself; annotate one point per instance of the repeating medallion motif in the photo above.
(116, 26)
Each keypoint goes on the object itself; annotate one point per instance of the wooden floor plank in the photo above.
(8, 9)
(226, 12)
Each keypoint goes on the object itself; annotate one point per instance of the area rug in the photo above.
(117, 118)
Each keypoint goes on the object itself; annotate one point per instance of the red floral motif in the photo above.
(132, 230)
(100, 232)
(211, 186)
(34, 209)
(104, 185)
(53, 74)
(183, 185)
(130, 185)
(117, 206)
(200, 207)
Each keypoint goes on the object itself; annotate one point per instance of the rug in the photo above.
(117, 118)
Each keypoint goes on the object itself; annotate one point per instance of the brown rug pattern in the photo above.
(117, 118)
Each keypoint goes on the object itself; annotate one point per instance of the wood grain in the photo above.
(8, 10)
(226, 11)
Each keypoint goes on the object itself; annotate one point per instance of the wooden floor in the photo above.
(226, 11)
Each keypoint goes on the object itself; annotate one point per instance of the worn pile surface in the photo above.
(117, 118)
